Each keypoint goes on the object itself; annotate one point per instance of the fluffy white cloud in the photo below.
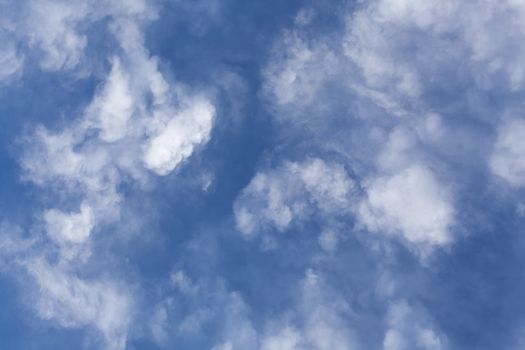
(377, 40)
(73, 302)
(412, 204)
(114, 105)
(394, 55)
(369, 104)
(177, 140)
(298, 71)
(69, 227)
(508, 158)
(293, 191)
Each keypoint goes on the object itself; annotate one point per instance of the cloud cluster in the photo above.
(291, 193)
(191, 306)
(73, 302)
(56, 33)
(392, 94)
(317, 318)
(376, 90)
(387, 118)
(411, 203)
(138, 124)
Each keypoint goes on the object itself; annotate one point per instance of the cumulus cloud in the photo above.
(298, 71)
(398, 63)
(293, 191)
(386, 58)
(176, 141)
(69, 227)
(403, 197)
(412, 204)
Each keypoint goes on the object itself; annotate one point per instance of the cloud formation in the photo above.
(138, 124)
(293, 191)
(275, 175)
(411, 203)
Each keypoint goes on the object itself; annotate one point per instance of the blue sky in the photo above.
(266, 175)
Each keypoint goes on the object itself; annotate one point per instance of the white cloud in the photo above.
(58, 295)
(69, 227)
(193, 306)
(297, 72)
(52, 29)
(56, 30)
(238, 331)
(508, 158)
(137, 123)
(55, 291)
(395, 54)
(293, 191)
(322, 320)
(72, 302)
(176, 141)
(412, 204)
(121, 133)
(405, 197)
(325, 314)
(114, 105)
(384, 61)
(378, 41)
